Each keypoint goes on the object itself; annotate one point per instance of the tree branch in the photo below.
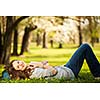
(18, 20)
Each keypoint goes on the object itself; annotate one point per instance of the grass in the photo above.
(55, 57)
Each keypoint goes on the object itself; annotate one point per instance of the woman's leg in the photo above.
(76, 61)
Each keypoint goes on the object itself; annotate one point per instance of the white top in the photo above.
(62, 72)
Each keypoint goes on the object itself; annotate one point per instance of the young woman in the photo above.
(68, 71)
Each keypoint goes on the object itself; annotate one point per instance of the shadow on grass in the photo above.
(68, 47)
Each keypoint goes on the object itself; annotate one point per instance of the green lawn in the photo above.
(55, 57)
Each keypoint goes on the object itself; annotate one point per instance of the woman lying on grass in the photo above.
(19, 69)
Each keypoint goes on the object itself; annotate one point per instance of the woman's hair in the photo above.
(12, 62)
(15, 74)
(9, 67)
(28, 71)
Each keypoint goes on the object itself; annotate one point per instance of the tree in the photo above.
(26, 36)
(15, 40)
(44, 25)
(79, 30)
(51, 42)
(2, 31)
(75, 19)
(93, 24)
(38, 39)
(7, 38)
(7, 41)
(44, 40)
(1, 46)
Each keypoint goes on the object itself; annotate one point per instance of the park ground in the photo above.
(55, 57)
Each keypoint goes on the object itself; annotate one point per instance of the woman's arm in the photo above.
(45, 65)
(42, 64)
(36, 64)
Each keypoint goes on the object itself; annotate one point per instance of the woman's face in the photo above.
(19, 65)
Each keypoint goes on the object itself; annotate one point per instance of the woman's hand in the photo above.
(36, 64)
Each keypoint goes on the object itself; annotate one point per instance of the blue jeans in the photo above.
(76, 61)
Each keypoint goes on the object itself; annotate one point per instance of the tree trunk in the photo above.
(1, 46)
(38, 40)
(44, 40)
(0, 37)
(97, 40)
(80, 34)
(3, 24)
(7, 41)
(91, 31)
(51, 43)
(26, 38)
(60, 45)
(28, 42)
(92, 38)
(3, 27)
(18, 21)
(92, 41)
(15, 42)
